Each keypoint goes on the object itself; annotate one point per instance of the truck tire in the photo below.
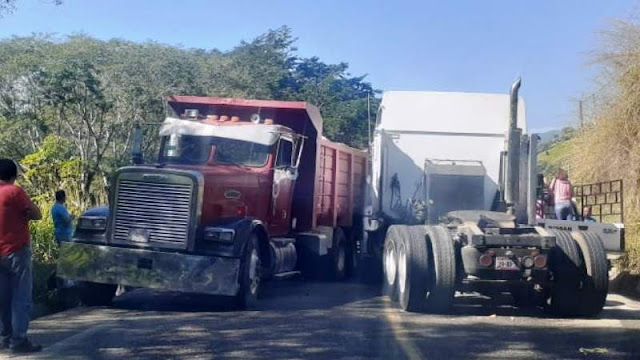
(566, 265)
(413, 267)
(390, 261)
(338, 254)
(247, 297)
(595, 283)
(443, 270)
(94, 294)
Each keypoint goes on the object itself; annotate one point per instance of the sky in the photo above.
(470, 46)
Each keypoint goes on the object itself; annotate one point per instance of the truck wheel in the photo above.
(247, 297)
(566, 265)
(390, 262)
(442, 277)
(413, 267)
(94, 294)
(596, 279)
(338, 254)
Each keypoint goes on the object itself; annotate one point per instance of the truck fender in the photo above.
(243, 228)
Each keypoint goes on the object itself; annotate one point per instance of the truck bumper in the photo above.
(149, 269)
(472, 266)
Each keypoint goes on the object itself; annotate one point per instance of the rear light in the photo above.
(527, 262)
(540, 261)
(486, 260)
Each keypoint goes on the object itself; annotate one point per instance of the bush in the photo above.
(609, 147)
(45, 255)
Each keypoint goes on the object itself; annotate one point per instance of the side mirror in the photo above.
(136, 146)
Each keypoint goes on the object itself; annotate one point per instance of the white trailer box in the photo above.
(413, 127)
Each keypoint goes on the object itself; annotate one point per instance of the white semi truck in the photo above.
(451, 199)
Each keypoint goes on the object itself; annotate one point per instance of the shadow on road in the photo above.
(298, 295)
(503, 305)
(334, 321)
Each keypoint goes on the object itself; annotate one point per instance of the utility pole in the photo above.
(580, 115)
(369, 119)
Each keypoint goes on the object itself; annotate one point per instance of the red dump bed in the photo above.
(340, 177)
(329, 190)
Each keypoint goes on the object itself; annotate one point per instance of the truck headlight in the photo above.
(93, 223)
(219, 235)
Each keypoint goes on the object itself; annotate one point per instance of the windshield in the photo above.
(185, 149)
(189, 149)
(241, 152)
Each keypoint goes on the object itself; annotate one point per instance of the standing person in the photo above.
(562, 191)
(62, 220)
(16, 278)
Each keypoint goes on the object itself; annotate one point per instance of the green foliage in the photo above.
(45, 249)
(51, 168)
(67, 106)
(91, 93)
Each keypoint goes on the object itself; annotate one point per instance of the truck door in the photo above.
(284, 177)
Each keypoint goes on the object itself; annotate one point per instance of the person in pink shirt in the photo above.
(562, 191)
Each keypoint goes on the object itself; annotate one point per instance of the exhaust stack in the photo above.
(512, 178)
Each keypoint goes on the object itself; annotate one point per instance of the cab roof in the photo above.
(256, 133)
(296, 115)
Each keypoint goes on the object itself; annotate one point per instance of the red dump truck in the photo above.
(242, 191)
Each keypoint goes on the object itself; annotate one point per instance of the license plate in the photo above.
(139, 235)
(504, 263)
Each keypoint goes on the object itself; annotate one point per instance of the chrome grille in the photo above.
(164, 210)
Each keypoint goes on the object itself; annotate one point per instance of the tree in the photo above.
(92, 93)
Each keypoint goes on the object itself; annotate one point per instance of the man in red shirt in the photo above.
(16, 279)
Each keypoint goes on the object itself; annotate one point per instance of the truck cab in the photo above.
(238, 194)
(451, 207)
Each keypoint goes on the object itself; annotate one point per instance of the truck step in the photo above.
(286, 275)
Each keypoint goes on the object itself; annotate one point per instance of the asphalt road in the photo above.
(299, 320)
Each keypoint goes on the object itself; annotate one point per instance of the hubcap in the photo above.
(390, 265)
(402, 268)
(254, 272)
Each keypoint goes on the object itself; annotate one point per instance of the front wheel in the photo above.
(247, 297)
(338, 255)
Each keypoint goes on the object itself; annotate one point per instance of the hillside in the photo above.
(549, 136)
(553, 157)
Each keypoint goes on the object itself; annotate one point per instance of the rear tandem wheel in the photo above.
(426, 267)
